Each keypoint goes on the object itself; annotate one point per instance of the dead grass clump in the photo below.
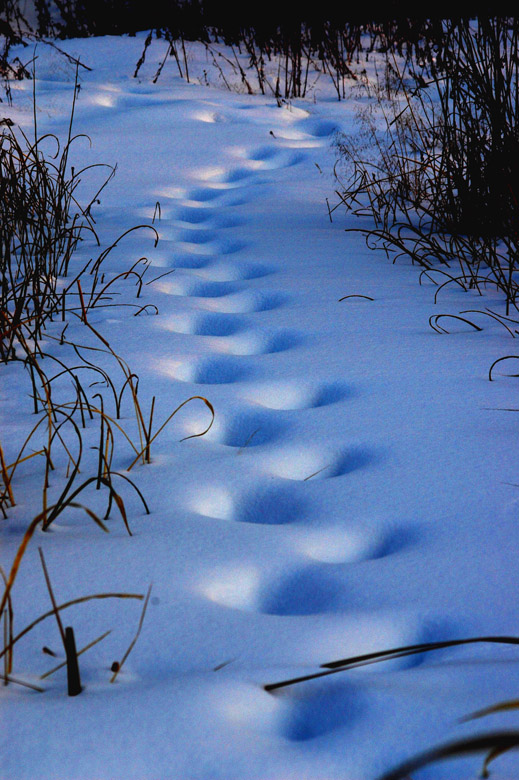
(78, 385)
(439, 179)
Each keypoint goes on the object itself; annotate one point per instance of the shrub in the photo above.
(441, 185)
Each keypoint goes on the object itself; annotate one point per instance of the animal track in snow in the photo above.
(264, 504)
(230, 177)
(195, 236)
(194, 215)
(201, 217)
(164, 259)
(112, 97)
(296, 395)
(308, 133)
(244, 429)
(396, 541)
(320, 128)
(206, 370)
(208, 116)
(194, 288)
(318, 708)
(271, 505)
(310, 591)
(215, 195)
(336, 544)
(204, 324)
(259, 342)
(205, 194)
(206, 242)
(247, 301)
(271, 158)
(307, 463)
(227, 271)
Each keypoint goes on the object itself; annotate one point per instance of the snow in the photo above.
(355, 492)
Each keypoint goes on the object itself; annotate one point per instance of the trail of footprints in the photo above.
(220, 291)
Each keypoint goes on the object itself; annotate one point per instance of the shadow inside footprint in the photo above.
(351, 460)
(285, 339)
(204, 194)
(320, 128)
(434, 629)
(210, 289)
(210, 371)
(218, 325)
(271, 506)
(331, 394)
(322, 707)
(310, 591)
(193, 216)
(249, 429)
(396, 541)
(188, 261)
(248, 301)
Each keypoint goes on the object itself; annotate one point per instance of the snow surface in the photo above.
(352, 495)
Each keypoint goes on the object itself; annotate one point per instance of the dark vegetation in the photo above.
(440, 181)
(79, 386)
(328, 38)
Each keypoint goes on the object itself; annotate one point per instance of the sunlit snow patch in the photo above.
(234, 587)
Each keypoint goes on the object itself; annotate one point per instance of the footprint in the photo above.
(223, 221)
(244, 430)
(433, 629)
(165, 259)
(265, 504)
(296, 395)
(309, 133)
(215, 195)
(210, 289)
(271, 505)
(247, 301)
(205, 194)
(152, 213)
(305, 463)
(270, 158)
(307, 592)
(192, 288)
(207, 243)
(257, 342)
(193, 215)
(319, 707)
(337, 544)
(321, 128)
(263, 153)
(397, 541)
(206, 370)
(234, 176)
(310, 591)
(208, 116)
(196, 236)
(204, 324)
(197, 216)
(225, 270)
(169, 193)
(139, 100)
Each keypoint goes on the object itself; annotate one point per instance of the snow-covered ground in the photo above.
(352, 495)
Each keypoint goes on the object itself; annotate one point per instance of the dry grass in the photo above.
(80, 387)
